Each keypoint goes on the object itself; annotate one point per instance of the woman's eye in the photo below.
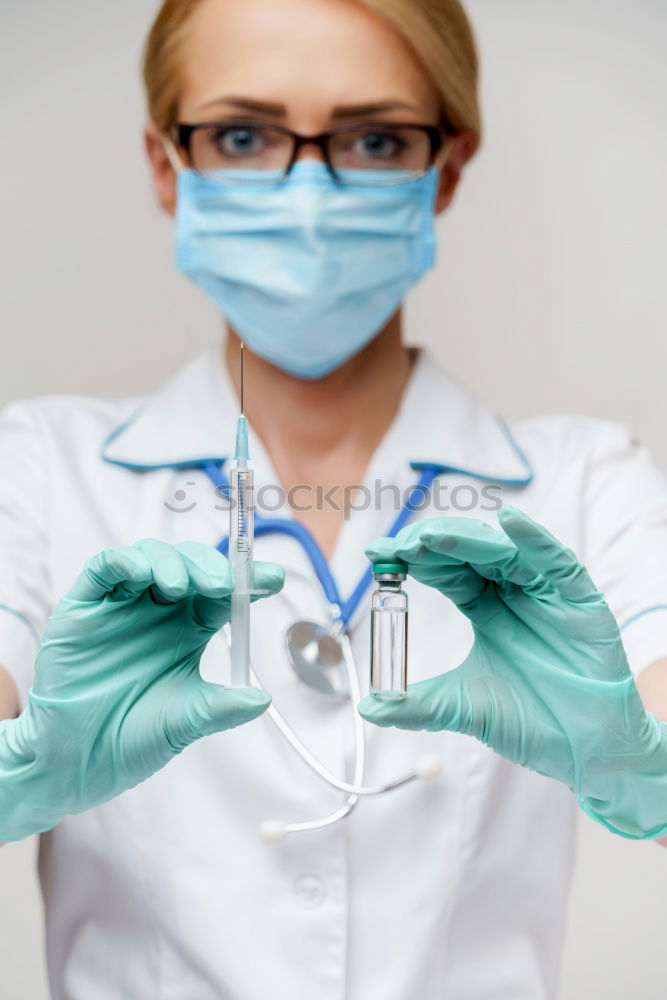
(238, 141)
(379, 145)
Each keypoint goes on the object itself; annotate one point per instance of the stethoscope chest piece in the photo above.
(316, 656)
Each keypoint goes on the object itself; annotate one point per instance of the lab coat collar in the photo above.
(191, 420)
(444, 427)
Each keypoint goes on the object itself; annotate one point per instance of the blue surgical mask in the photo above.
(307, 271)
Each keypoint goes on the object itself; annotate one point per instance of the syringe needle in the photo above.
(242, 377)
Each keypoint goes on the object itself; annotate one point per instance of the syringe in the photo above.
(241, 540)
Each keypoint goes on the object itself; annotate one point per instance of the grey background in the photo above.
(550, 296)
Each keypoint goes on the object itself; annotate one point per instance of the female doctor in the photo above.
(304, 148)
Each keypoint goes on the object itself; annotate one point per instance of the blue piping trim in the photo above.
(417, 466)
(483, 477)
(188, 464)
(640, 614)
(193, 463)
(22, 618)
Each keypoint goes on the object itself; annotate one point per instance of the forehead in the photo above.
(299, 51)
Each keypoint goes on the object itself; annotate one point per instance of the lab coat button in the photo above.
(309, 890)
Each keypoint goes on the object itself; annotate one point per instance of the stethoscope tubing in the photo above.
(312, 761)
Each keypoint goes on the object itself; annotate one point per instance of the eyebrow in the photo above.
(339, 112)
(356, 110)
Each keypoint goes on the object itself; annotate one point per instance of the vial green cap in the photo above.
(396, 567)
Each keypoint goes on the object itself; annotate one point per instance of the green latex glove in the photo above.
(117, 692)
(547, 683)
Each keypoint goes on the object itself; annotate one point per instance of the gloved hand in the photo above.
(117, 692)
(547, 683)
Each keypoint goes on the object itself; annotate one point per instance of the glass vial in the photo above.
(389, 631)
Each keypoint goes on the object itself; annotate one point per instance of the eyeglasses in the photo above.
(403, 152)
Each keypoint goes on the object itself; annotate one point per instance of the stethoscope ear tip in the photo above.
(272, 831)
(429, 767)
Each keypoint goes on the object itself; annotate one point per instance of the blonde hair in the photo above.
(438, 31)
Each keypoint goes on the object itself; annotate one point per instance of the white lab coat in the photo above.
(455, 888)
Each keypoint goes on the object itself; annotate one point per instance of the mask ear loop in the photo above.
(442, 157)
(172, 154)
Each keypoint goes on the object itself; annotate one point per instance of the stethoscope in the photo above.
(322, 658)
